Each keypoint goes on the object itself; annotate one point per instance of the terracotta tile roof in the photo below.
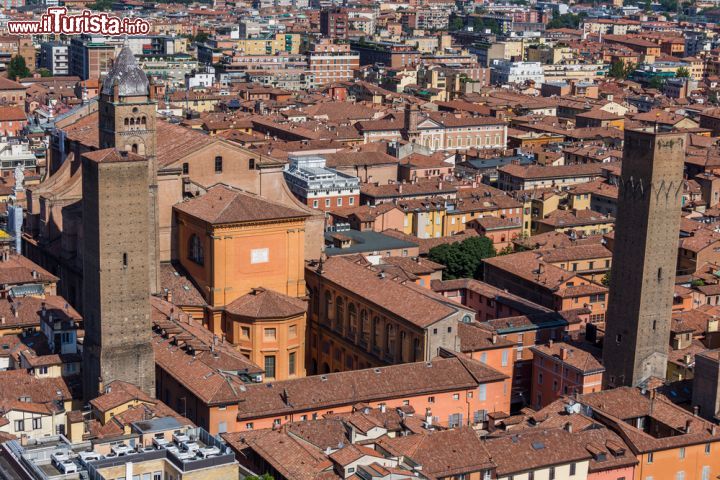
(575, 357)
(487, 290)
(183, 290)
(18, 269)
(352, 453)
(397, 298)
(552, 240)
(223, 204)
(574, 218)
(596, 187)
(12, 114)
(534, 449)
(173, 141)
(536, 172)
(266, 304)
(531, 266)
(7, 84)
(598, 114)
(290, 457)
(621, 404)
(364, 213)
(700, 240)
(576, 252)
(322, 433)
(210, 368)
(112, 155)
(117, 394)
(414, 265)
(373, 384)
(523, 323)
(473, 338)
(395, 190)
(444, 453)
(25, 311)
(19, 384)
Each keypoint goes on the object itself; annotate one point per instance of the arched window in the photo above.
(417, 350)
(251, 164)
(127, 121)
(143, 120)
(328, 308)
(132, 121)
(315, 302)
(364, 327)
(352, 316)
(134, 148)
(195, 250)
(390, 338)
(339, 313)
(376, 332)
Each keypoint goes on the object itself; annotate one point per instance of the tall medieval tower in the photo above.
(116, 300)
(127, 122)
(644, 257)
(120, 258)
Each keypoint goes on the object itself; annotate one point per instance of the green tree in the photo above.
(606, 279)
(456, 23)
(44, 72)
(617, 70)
(201, 37)
(17, 68)
(463, 259)
(567, 20)
(264, 476)
(713, 98)
(656, 83)
(481, 24)
(621, 70)
(101, 5)
(682, 72)
(506, 251)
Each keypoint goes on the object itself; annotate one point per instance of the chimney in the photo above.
(550, 343)
(494, 338)
(34, 274)
(569, 427)
(382, 408)
(168, 295)
(688, 426)
(564, 353)
(712, 430)
(696, 410)
(400, 188)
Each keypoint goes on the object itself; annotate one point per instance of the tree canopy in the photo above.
(566, 20)
(620, 70)
(17, 68)
(682, 72)
(463, 259)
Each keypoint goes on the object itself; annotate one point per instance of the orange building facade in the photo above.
(246, 255)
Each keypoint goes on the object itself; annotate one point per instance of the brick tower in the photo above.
(644, 257)
(127, 122)
(116, 300)
(120, 235)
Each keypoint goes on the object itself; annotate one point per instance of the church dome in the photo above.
(127, 75)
